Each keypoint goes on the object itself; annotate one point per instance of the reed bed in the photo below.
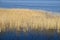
(27, 20)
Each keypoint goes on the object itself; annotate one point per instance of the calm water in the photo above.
(52, 5)
(28, 36)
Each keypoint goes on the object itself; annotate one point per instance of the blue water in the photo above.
(49, 5)
(28, 36)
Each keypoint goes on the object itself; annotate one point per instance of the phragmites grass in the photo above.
(26, 20)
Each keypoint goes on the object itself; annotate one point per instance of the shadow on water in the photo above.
(32, 35)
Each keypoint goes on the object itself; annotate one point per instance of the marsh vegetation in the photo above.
(16, 24)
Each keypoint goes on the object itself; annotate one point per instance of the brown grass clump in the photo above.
(24, 19)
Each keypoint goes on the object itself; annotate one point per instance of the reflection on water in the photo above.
(32, 35)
